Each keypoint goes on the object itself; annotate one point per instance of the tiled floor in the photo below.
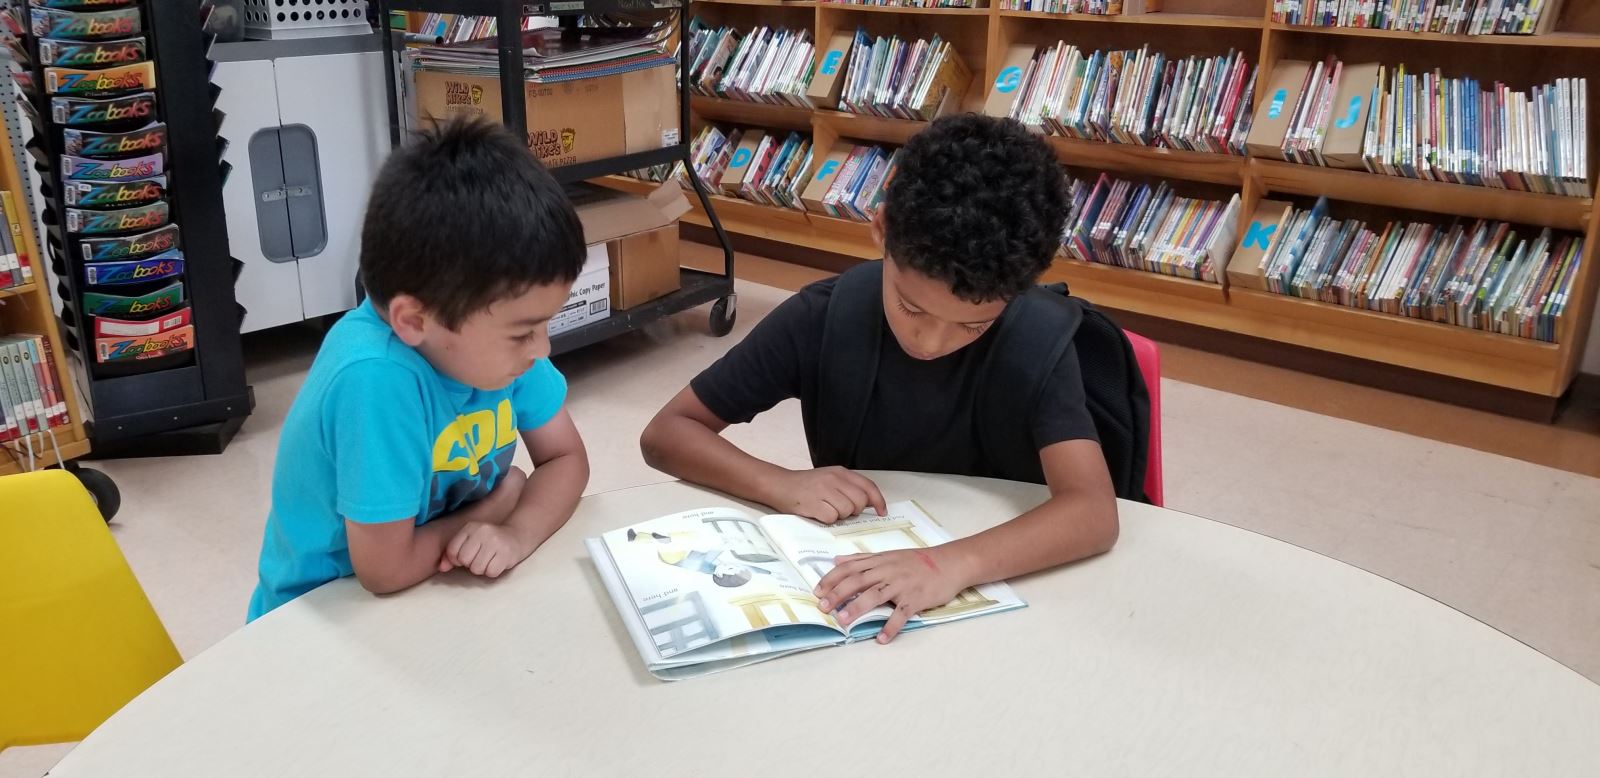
(1514, 543)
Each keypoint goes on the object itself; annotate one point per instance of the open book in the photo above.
(719, 588)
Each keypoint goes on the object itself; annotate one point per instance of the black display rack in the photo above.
(695, 287)
(191, 402)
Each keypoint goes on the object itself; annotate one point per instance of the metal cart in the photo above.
(696, 287)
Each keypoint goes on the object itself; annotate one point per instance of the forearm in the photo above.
(548, 499)
(684, 448)
(1067, 527)
(412, 563)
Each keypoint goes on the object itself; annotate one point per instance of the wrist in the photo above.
(958, 560)
(769, 488)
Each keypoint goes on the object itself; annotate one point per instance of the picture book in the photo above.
(718, 588)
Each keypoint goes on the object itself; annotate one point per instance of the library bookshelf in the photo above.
(28, 309)
(1539, 370)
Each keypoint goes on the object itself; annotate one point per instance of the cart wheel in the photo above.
(102, 489)
(723, 315)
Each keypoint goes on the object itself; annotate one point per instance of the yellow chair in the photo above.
(78, 638)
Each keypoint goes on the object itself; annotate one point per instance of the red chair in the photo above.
(1149, 357)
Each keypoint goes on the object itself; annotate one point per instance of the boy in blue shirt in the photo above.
(395, 459)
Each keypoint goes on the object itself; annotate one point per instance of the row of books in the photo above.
(1451, 17)
(908, 3)
(31, 398)
(16, 267)
(851, 181)
(1138, 96)
(1096, 7)
(1483, 275)
(769, 169)
(899, 78)
(767, 65)
(1397, 122)
(1150, 228)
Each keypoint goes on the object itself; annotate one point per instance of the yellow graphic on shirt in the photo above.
(473, 436)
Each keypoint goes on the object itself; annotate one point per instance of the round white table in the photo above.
(1193, 648)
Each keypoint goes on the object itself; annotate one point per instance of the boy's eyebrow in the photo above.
(530, 322)
(924, 308)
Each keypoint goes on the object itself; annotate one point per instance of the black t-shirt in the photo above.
(921, 416)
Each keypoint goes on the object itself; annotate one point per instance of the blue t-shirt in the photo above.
(377, 435)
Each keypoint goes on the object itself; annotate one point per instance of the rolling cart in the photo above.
(696, 287)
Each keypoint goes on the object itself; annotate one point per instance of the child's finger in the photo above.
(452, 550)
(445, 565)
(871, 597)
(875, 499)
(496, 566)
(896, 622)
(469, 552)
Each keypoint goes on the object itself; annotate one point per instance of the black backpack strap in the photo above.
(851, 337)
(1036, 330)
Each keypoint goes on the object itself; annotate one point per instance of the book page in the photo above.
(812, 547)
(699, 578)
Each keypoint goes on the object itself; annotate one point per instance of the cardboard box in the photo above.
(638, 235)
(739, 163)
(1275, 109)
(590, 298)
(1259, 235)
(644, 266)
(1008, 84)
(828, 82)
(569, 122)
(827, 170)
(1347, 128)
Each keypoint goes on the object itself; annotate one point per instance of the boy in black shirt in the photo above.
(971, 219)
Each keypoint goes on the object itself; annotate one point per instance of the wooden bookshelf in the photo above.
(28, 309)
(983, 35)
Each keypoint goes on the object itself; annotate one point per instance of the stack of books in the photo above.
(1397, 122)
(31, 398)
(1150, 228)
(1451, 129)
(1451, 17)
(549, 56)
(768, 65)
(1138, 97)
(1096, 7)
(709, 155)
(902, 79)
(769, 169)
(851, 182)
(16, 267)
(1484, 276)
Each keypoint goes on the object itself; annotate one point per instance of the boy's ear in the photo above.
(878, 230)
(408, 318)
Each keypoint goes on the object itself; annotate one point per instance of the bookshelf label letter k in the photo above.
(1260, 234)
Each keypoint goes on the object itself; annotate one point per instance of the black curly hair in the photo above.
(978, 203)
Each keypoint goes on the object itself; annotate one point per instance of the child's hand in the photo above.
(914, 580)
(827, 494)
(485, 549)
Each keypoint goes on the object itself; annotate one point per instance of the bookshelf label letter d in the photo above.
(1008, 80)
(830, 62)
(1260, 234)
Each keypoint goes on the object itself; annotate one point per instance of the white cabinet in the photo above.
(308, 128)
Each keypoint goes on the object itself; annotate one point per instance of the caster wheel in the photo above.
(102, 489)
(723, 315)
